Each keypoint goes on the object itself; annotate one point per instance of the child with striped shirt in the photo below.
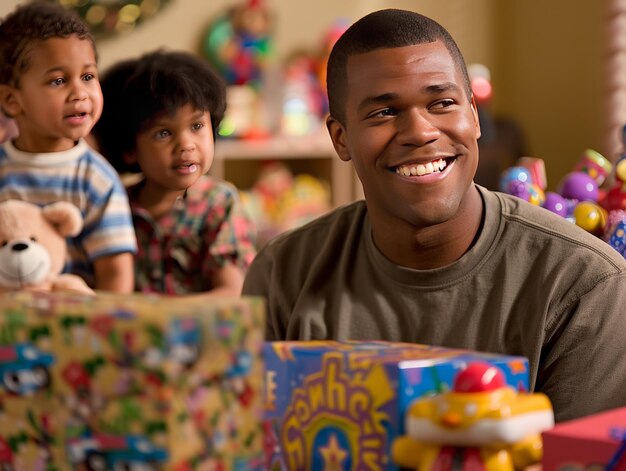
(49, 86)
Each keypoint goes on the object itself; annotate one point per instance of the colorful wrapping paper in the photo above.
(130, 382)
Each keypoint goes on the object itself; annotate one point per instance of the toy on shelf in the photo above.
(332, 34)
(239, 46)
(34, 248)
(239, 43)
(482, 423)
(303, 100)
(279, 201)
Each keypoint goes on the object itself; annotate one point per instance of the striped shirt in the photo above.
(80, 176)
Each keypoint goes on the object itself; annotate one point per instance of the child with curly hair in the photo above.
(161, 115)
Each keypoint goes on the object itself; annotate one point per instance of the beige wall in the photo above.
(545, 56)
(549, 76)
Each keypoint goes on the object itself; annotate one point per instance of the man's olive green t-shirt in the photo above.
(533, 284)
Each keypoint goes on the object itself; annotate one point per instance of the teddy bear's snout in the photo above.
(18, 247)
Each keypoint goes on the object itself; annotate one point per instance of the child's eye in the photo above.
(196, 126)
(162, 134)
(88, 77)
(57, 81)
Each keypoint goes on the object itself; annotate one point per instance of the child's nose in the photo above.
(78, 92)
(185, 144)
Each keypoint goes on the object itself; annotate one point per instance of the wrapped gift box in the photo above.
(130, 382)
(339, 405)
(589, 442)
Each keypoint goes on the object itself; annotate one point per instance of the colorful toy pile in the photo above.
(581, 196)
(130, 382)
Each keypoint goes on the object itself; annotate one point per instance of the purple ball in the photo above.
(514, 175)
(556, 203)
(579, 186)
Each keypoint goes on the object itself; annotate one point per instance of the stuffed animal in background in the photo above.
(33, 246)
(482, 423)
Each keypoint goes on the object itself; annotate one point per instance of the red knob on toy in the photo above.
(479, 377)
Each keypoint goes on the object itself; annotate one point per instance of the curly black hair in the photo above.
(138, 91)
(29, 23)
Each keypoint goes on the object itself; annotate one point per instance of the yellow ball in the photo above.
(590, 217)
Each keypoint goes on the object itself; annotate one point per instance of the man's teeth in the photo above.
(421, 169)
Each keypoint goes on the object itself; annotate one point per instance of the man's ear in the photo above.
(476, 120)
(338, 136)
(8, 101)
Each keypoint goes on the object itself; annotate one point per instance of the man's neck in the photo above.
(425, 248)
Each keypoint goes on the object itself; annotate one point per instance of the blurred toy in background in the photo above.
(303, 100)
(615, 203)
(334, 32)
(580, 196)
(242, 113)
(239, 46)
(501, 141)
(239, 43)
(482, 423)
(279, 201)
(524, 181)
(8, 128)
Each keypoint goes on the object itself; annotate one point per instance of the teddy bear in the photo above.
(33, 248)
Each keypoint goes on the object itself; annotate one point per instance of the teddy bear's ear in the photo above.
(65, 217)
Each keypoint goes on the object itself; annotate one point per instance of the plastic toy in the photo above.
(595, 165)
(591, 217)
(518, 181)
(556, 203)
(482, 423)
(616, 197)
(615, 235)
(579, 197)
(578, 186)
(239, 43)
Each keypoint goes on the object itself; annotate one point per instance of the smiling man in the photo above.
(430, 257)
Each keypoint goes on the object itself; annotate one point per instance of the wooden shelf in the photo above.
(238, 161)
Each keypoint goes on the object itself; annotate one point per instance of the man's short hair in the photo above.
(28, 24)
(383, 29)
(138, 91)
